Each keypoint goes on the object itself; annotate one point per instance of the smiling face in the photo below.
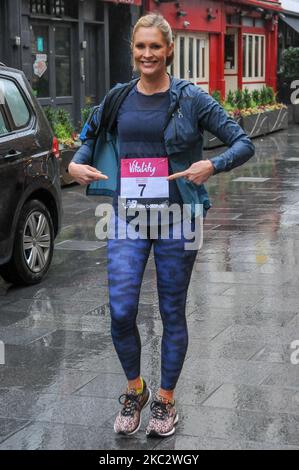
(150, 52)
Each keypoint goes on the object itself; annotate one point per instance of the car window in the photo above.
(14, 100)
(3, 128)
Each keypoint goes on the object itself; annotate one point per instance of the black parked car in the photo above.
(30, 193)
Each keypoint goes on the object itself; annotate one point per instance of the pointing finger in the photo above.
(177, 175)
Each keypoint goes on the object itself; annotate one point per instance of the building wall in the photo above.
(216, 19)
(2, 31)
(121, 20)
(96, 49)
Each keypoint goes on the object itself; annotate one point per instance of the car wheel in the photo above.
(33, 246)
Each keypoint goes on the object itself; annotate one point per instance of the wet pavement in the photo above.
(238, 389)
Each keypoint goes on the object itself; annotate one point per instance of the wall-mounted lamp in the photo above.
(259, 9)
(268, 16)
(16, 41)
(210, 15)
(181, 13)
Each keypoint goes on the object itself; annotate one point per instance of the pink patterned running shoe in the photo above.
(128, 419)
(164, 418)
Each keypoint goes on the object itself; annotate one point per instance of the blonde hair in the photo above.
(158, 21)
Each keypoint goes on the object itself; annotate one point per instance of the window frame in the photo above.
(251, 58)
(177, 56)
(5, 120)
(232, 32)
(13, 129)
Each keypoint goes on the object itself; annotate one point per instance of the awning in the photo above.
(291, 21)
(128, 2)
(270, 5)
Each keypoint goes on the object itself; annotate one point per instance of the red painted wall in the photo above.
(197, 16)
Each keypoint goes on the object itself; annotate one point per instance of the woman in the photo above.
(155, 119)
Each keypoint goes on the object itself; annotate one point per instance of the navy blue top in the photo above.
(140, 128)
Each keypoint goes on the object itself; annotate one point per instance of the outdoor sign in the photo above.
(40, 65)
(40, 44)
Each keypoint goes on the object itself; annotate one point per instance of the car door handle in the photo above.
(12, 153)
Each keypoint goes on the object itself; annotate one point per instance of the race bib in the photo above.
(143, 181)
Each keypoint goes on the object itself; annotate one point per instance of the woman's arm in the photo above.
(80, 168)
(212, 117)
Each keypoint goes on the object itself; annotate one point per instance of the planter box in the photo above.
(210, 141)
(277, 120)
(255, 125)
(265, 123)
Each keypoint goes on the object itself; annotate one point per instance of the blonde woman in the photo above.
(155, 121)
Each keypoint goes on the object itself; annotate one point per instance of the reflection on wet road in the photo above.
(239, 389)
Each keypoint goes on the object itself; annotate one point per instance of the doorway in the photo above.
(52, 65)
(94, 67)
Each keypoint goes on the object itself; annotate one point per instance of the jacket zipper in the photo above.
(175, 127)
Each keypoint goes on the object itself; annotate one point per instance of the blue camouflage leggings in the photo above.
(126, 264)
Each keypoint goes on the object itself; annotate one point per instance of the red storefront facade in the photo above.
(223, 44)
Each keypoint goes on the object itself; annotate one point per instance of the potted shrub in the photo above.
(254, 122)
(257, 112)
(264, 115)
(62, 126)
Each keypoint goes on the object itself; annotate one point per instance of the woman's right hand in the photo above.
(85, 174)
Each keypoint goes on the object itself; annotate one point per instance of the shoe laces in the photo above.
(159, 409)
(130, 402)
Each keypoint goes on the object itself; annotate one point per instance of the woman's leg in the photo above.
(174, 267)
(126, 263)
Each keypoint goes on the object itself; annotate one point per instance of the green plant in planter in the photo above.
(239, 100)
(61, 124)
(264, 97)
(50, 115)
(230, 100)
(256, 97)
(271, 95)
(64, 118)
(85, 112)
(247, 98)
(217, 96)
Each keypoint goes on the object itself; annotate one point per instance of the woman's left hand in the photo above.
(197, 173)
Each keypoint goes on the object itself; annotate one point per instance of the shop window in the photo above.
(230, 51)
(40, 7)
(58, 8)
(191, 57)
(63, 61)
(247, 21)
(233, 19)
(93, 10)
(259, 23)
(253, 57)
(39, 57)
